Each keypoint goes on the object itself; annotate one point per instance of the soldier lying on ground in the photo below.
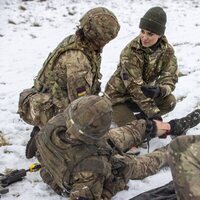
(72, 70)
(184, 161)
(79, 158)
(146, 74)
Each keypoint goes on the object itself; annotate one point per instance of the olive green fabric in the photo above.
(154, 20)
(144, 66)
(166, 104)
(122, 114)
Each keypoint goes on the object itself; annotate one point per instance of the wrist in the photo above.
(162, 129)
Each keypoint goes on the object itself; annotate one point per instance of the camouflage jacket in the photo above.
(70, 71)
(87, 170)
(143, 66)
(184, 161)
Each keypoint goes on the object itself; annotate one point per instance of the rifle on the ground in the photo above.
(14, 176)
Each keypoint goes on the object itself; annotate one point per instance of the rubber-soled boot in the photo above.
(31, 145)
(182, 125)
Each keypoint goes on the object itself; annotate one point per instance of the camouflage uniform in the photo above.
(88, 166)
(184, 161)
(154, 66)
(72, 70)
(3, 141)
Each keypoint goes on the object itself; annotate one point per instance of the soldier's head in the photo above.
(152, 26)
(154, 20)
(99, 26)
(88, 118)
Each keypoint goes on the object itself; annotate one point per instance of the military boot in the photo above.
(31, 145)
(182, 125)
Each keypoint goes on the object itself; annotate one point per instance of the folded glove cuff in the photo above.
(151, 129)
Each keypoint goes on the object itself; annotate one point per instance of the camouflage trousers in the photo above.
(184, 161)
(123, 112)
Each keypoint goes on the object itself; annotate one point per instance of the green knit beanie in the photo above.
(154, 20)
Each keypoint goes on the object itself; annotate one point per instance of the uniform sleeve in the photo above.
(75, 72)
(169, 75)
(125, 137)
(88, 185)
(131, 75)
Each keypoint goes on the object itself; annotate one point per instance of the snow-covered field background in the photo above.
(29, 30)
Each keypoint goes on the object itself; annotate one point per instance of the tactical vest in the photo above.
(46, 75)
(61, 159)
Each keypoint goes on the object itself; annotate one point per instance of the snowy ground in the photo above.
(30, 30)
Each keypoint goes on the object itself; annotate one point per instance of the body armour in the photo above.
(61, 157)
(47, 79)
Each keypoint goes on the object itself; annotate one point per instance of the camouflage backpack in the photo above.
(23, 104)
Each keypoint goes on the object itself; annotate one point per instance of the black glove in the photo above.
(140, 115)
(82, 198)
(156, 117)
(182, 125)
(151, 91)
(98, 88)
(151, 129)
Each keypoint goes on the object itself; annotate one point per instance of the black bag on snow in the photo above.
(166, 192)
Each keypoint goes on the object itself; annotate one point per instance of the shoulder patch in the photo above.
(125, 76)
